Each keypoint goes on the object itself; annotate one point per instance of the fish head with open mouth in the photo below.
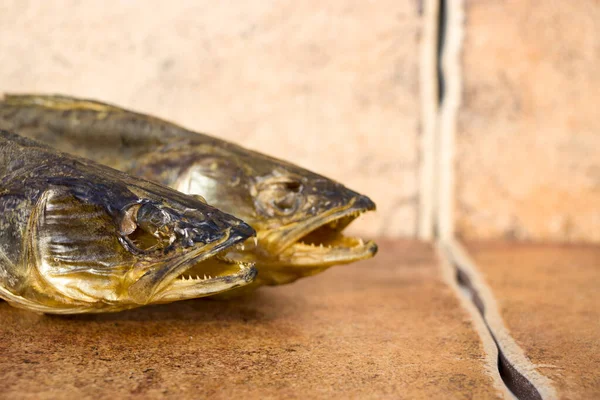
(299, 215)
(96, 240)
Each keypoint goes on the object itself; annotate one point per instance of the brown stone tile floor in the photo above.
(549, 299)
(384, 328)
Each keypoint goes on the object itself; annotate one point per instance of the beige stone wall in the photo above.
(332, 86)
(528, 135)
(335, 87)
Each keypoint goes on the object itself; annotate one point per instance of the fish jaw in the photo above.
(306, 248)
(321, 234)
(167, 281)
(198, 281)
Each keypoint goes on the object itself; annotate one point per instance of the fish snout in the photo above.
(235, 230)
(243, 230)
(364, 203)
(374, 249)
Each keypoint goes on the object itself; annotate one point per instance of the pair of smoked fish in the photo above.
(104, 209)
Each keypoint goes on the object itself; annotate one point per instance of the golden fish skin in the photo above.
(299, 216)
(78, 237)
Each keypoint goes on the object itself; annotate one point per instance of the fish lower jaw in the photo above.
(329, 244)
(351, 244)
(207, 278)
(200, 275)
(327, 254)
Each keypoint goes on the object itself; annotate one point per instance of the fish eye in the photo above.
(286, 204)
(280, 195)
(145, 226)
(293, 186)
(151, 218)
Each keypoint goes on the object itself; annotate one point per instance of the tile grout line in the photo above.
(524, 381)
(428, 82)
(459, 271)
(489, 346)
(450, 83)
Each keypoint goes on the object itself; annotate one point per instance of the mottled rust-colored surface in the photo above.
(528, 141)
(384, 328)
(549, 299)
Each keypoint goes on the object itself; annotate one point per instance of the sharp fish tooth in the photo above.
(204, 276)
(255, 241)
(197, 277)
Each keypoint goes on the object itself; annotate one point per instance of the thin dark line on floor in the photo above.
(448, 27)
(518, 384)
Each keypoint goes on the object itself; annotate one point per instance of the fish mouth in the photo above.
(320, 242)
(200, 272)
(215, 275)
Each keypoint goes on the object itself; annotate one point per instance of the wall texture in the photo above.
(528, 137)
(335, 87)
(331, 86)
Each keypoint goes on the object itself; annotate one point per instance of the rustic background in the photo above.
(337, 88)
(348, 88)
(331, 86)
(528, 135)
